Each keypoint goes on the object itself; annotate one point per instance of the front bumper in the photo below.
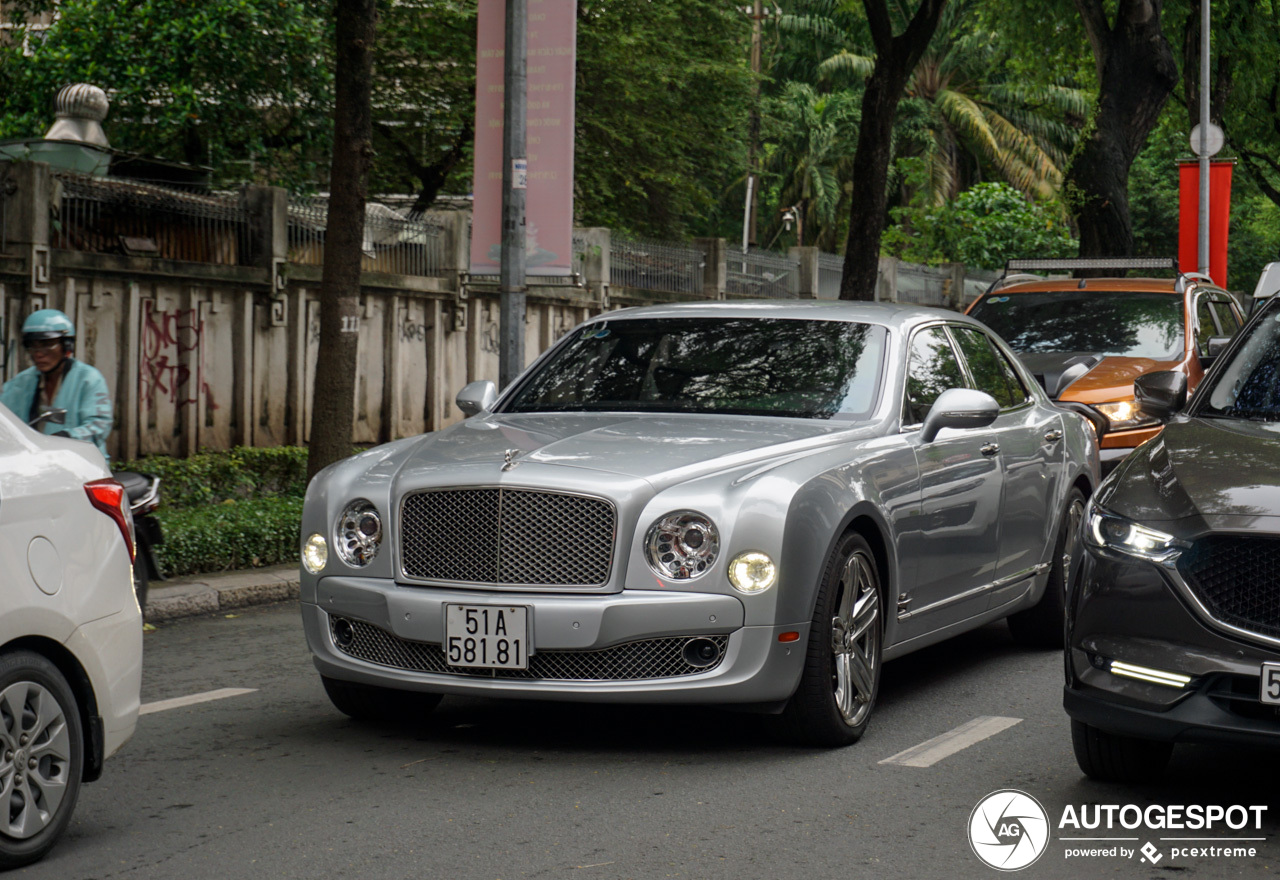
(1133, 612)
(406, 625)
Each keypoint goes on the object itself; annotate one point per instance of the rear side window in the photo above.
(991, 372)
(1207, 328)
(1228, 321)
(932, 369)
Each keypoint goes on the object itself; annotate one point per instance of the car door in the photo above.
(1031, 456)
(952, 540)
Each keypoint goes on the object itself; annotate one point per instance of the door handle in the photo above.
(990, 449)
(1053, 436)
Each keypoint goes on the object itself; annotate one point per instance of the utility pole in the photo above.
(514, 182)
(1203, 232)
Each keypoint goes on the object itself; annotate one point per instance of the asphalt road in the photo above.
(275, 783)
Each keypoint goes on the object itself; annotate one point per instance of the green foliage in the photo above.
(214, 477)
(984, 227)
(234, 534)
(224, 83)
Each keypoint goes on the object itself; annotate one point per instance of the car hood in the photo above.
(1109, 380)
(1223, 470)
(657, 448)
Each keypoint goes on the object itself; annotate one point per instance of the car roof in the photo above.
(898, 315)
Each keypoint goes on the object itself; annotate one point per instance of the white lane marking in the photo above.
(192, 699)
(932, 751)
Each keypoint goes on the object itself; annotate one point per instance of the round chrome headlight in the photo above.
(315, 553)
(752, 572)
(359, 533)
(682, 545)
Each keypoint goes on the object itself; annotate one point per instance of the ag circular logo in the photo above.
(1008, 830)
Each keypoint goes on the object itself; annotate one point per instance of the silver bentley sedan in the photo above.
(747, 504)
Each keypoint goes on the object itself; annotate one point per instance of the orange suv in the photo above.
(1087, 339)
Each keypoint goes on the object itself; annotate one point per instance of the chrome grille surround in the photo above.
(507, 537)
(1234, 578)
(631, 661)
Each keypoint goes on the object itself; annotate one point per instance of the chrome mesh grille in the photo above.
(507, 536)
(1236, 578)
(632, 661)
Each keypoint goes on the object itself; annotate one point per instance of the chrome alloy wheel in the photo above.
(1071, 538)
(855, 640)
(35, 758)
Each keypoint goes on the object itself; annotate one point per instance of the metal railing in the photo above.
(392, 242)
(923, 285)
(759, 273)
(115, 216)
(653, 265)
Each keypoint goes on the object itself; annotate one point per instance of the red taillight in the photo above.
(109, 497)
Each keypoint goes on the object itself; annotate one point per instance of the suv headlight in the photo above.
(1107, 531)
(1125, 414)
(682, 545)
(358, 533)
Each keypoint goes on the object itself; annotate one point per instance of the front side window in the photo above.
(744, 366)
(1122, 323)
(931, 369)
(991, 372)
(1249, 386)
(1228, 320)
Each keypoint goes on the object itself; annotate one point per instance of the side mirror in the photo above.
(1161, 394)
(959, 408)
(1067, 376)
(1216, 345)
(477, 397)
(1101, 425)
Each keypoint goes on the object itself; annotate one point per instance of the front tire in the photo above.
(1109, 757)
(41, 757)
(841, 678)
(1043, 624)
(366, 702)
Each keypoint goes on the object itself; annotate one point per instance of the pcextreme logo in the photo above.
(1008, 830)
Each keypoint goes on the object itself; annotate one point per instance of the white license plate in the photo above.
(1270, 691)
(487, 636)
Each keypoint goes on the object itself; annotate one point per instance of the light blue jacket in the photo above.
(83, 394)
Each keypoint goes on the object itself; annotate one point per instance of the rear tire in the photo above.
(841, 678)
(1043, 624)
(1109, 757)
(366, 702)
(41, 757)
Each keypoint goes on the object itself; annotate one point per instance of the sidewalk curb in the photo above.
(194, 595)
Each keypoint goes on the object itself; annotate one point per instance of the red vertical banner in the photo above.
(551, 57)
(1189, 217)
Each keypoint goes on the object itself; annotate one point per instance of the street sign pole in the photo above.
(514, 182)
(1203, 151)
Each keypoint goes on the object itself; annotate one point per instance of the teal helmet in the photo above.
(48, 324)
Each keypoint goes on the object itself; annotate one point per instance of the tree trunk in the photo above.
(333, 398)
(1136, 74)
(896, 58)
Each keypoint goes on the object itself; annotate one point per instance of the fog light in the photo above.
(315, 553)
(752, 572)
(343, 633)
(1152, 676)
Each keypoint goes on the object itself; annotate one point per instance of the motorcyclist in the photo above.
(56, 380)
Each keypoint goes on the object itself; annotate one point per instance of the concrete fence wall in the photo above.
(200, 355)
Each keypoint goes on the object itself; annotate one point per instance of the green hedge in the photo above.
(241, 508)
(235, 534)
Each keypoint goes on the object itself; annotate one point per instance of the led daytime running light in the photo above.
(1152, 676)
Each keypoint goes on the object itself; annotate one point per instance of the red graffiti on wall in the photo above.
(176, 332)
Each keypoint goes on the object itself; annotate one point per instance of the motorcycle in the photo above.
(143, 492)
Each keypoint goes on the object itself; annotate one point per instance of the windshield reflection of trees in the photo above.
(1112, 323)
(728, 365)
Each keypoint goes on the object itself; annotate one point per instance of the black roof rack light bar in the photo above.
(1071, 263)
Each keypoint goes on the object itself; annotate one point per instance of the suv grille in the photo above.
(1238, 580)
(632, 661)
(507, 536)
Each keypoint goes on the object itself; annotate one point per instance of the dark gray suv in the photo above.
(1173, 624)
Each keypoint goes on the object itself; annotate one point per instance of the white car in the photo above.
(70, 632)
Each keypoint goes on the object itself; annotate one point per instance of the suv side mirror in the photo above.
(1161, 394)
(1214, 346)
(959, 408)
(477, 397)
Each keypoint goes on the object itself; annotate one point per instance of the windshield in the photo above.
(1124, 323)
(1249, 386)
(748, 366)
